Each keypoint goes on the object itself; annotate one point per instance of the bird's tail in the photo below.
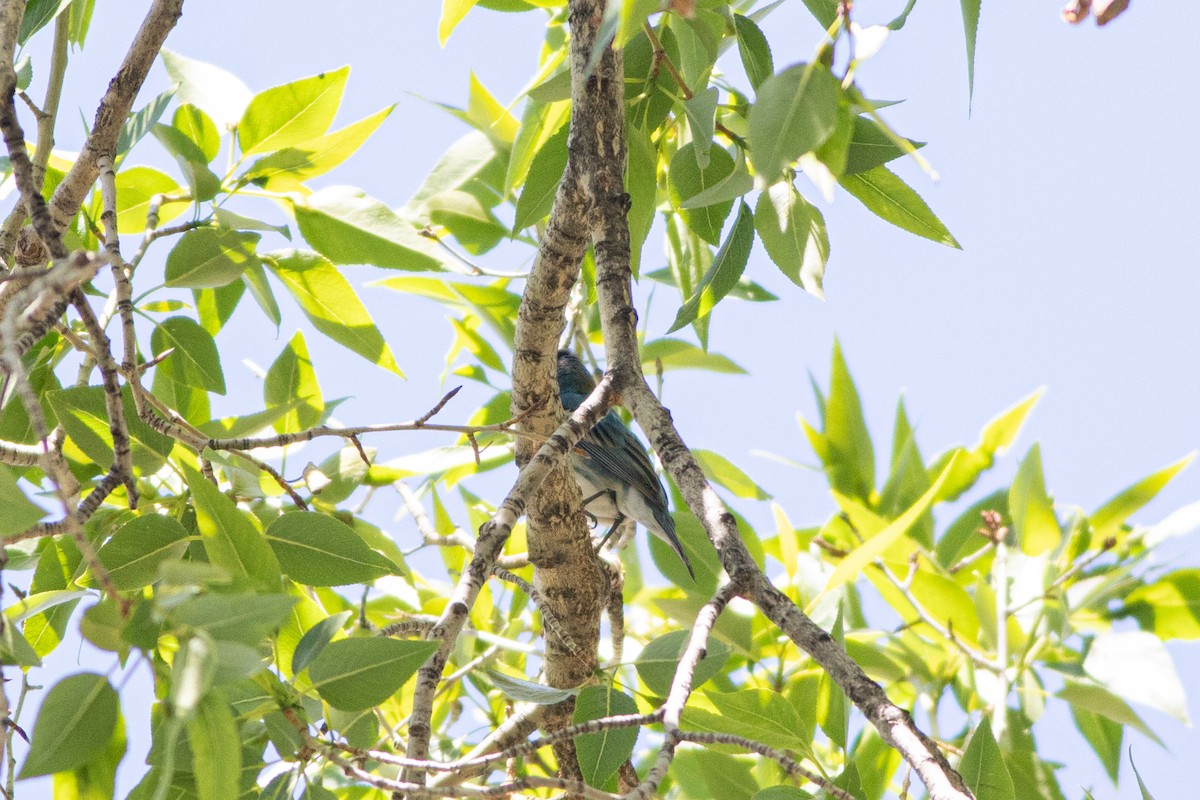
(666, 532)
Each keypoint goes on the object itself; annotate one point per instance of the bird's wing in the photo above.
(613, 449)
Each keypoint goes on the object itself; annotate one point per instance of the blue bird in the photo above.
(611, 466)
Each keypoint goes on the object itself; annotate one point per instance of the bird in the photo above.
(612, 468)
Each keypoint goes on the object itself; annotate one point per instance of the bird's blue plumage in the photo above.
(611, 465)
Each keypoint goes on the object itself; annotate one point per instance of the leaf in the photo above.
(211, 88)
(1032, 511)
(1136, 666)
(701, 113)
(289, 169)
(349, 227)
(982, 766)
(760, 715)
(38, 15)
(319, 550)
(331, 304)
(1169, 607)
(453, 12)
(796, 111)
(1107, 520)
(970, 15)
(133, 555)
(686, 179)
(216, 750)
(199, 128)
(140, 123)
(82, 412)
(723, 275)
(20, 513)
(527, 691)
(255, 279)
(721, 470)
(541, 182)
(136, 187)
(601, 754)
(850, 457)
(754, 50)
(1090, 697)
(641, 182)
(678, 354)
(244, 618)
(202, 183)
(74, 724)
(195, 361)
(891, 199)
(315, 638)
(354, 674)
(291, 381)
(657, 662)
(230, 539)
(849, 567)
(294, 112)
(1104, 736)
(793, 232)
(1141, 784)
(870, 147)
(208, 258)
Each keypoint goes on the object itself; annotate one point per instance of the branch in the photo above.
(492, 537)
(114, 109)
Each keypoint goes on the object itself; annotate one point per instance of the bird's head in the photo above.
(573, 376)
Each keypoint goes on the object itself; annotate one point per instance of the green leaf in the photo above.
(96, 779)
(82, 412)
(468, 219)
(316, 638)
(701, 113)
(850, 457)
(1090, 697)
(319, 550)
(601, 754)
(1137, 666)
(849, 567)
(793, 232)
(230, 538)
(331, 304)
(136, 187)
(255, 278)
(38, 14)
(354, 674)
(231, 221)
(1104, 736)
(20, 513)
(141, 122)
(133, 554)
(721, 470)
(678, 354)
(825, 11)
(1032, 510)
(207, 258)
(723, 275)
(891, 199)
(289, 169)
(1141, 784)
(216, 749)
(74, 724)
(211, 88)
(870, 147)
(203, 184)
(528, 691)
(1107, 520)
(198, 127)
(349, 227)
(291, 381)
(295, 112)
(453, 12)
(761, 715)
(244, 618)
(1169, 607)
(831, 707)
(195, 361)
(754, 50)
(686, 179)
(657, 662)
(996, 437)
(641, 182)
(541, 182)
(970, 15)
(796, 111)
(982, 766)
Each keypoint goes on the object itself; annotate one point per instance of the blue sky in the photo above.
(1071, 186)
